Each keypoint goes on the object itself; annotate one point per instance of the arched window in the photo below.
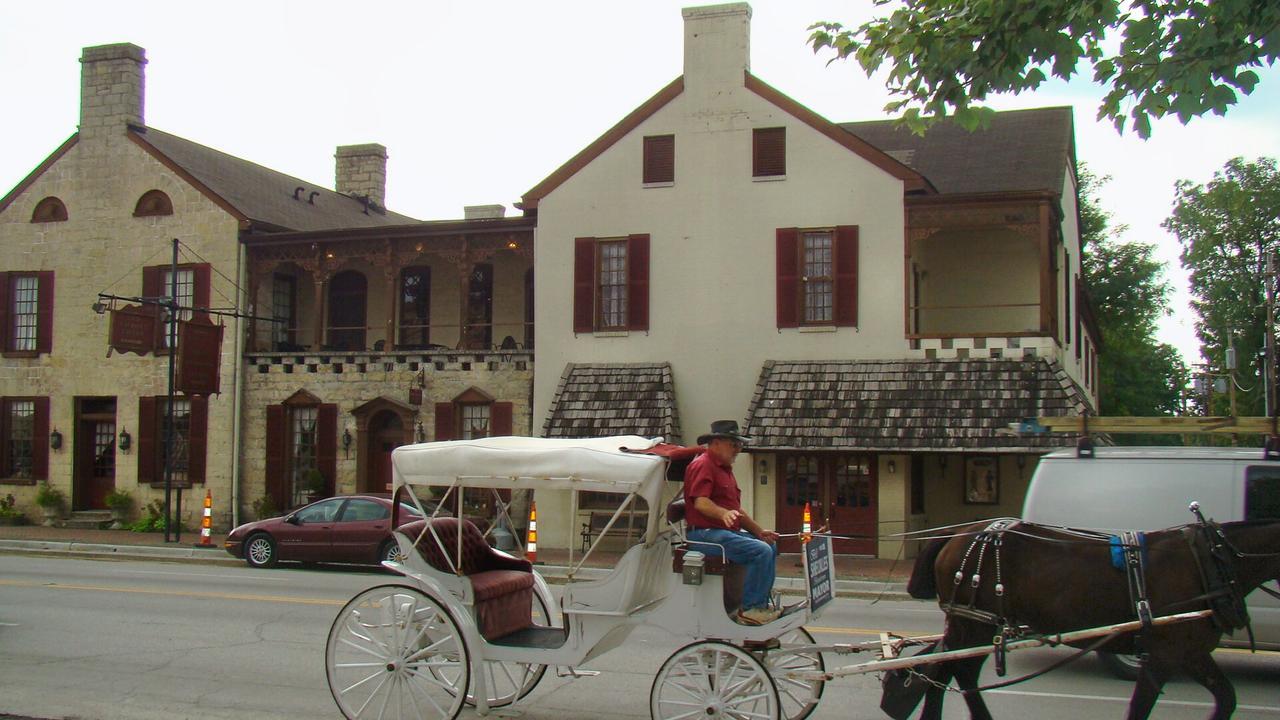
(50, 209)
(153, 203)
(347, 294)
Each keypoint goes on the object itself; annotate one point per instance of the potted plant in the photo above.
(119, 502)
(265, 507)
(50, 499)
(9, 514)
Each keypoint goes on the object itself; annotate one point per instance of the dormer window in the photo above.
(153, 203)
(50, 209)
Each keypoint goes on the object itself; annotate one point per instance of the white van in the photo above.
(1149, 488)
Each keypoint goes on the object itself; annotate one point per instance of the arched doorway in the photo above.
(386, 433)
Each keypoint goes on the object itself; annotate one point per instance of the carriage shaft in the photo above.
(928, 659)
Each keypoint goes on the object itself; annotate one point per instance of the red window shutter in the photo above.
(277, 485)
(584, 284)
(1079, 337)
(846, 276)
(768, 152)
(327, 445)
(6, 302)
(203, 289)
(500, 419)
(147, 442)
(198, 439)
(444, 421)
(638, 282)
(788, 277)
(44, 310)
(660, 159)
(40, 443)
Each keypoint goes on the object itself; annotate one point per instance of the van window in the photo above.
(1262, 493)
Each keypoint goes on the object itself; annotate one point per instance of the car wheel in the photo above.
(260, 551)
(1125, 667)
(390, 552)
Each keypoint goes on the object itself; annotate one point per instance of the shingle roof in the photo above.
(263, 195)
(1019, 150)
(906, 405)
(598, 400)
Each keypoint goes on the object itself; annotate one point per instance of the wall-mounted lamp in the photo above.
(422, 434)
(893, 467)
(99, 308)
(942, 462)
(346, 442)
(764, 472)
(126, 441)
(55, 439)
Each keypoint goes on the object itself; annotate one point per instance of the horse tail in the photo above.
(923, 585)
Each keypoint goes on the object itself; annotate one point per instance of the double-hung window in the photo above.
(611, 284)
(817, 276)
(26, 313)
(817, 280)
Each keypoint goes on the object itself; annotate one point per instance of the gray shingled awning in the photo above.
(599, 400)
(909, 405)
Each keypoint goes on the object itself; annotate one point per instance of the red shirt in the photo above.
(706, 477)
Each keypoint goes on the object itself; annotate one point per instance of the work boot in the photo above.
(757, 616)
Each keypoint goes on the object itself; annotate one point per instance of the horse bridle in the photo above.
(1215, 537)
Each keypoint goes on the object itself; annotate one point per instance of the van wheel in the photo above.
(1125, 667)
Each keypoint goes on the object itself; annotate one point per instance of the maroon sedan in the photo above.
(344, 529)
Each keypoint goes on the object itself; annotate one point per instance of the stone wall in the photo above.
(353, 379)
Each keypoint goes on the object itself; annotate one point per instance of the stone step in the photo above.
(88, 519)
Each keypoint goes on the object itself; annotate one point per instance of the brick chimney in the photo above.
(361, 172)
(111, 89)
(717, 45)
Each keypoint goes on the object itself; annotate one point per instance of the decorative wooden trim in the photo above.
(912, 180)
(137, 137)
(611, 136)
(27, 181)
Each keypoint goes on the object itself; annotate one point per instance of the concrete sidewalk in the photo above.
(855, 576)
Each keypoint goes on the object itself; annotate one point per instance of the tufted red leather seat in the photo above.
(502, 586)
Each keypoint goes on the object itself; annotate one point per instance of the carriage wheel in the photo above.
(713, 679)
(395, 652)
(507, 682)
(799, 697)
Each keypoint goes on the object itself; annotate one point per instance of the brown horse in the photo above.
(1057, 581)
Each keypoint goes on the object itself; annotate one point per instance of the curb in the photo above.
(555, 574)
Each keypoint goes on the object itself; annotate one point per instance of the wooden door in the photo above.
(94, 444)
(841, 492)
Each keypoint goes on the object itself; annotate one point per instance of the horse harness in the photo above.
(991, 537)
(1213, 554)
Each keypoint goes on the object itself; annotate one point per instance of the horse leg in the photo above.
(967, 673)
(1151, 679)
(937, 692)
(1205, 671)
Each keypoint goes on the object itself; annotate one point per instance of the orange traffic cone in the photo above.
(531, 547)
(805, 531)
(206, 523)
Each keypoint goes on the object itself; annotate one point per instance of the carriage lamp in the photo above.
(691, 570)
(126, 441)
(422, 434)
(346, 442)
(55, 439)
(893, 467)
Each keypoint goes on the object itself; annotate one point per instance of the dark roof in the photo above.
(614, 399)
(907, 405)
(1018, 150)
(262, 195)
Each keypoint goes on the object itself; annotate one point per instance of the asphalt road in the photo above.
(104, 640)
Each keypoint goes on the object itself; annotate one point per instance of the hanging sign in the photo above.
(819, 572)
(199, 356)
(134, 329)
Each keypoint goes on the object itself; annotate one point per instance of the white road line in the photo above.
(1107, 698)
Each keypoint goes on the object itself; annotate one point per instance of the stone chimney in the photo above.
(717, 44)
(111, 89)
(361, 172)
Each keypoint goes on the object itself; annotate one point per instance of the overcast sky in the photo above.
(478, 100)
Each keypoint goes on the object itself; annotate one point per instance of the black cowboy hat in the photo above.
(725, 429)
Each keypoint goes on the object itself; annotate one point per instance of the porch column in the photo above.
(1047, 281)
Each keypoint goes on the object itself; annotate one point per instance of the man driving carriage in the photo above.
(719, 527)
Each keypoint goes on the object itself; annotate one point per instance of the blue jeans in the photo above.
(742, 548)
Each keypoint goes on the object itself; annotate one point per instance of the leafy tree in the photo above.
(1137, 374)
(1227, 228)
(1180, 57)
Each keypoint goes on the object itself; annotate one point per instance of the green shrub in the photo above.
(265, 507)
(119, 500)
(48, 496)
(153, 521)
(9, 513)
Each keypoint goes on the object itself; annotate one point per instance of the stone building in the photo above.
(99, 216)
